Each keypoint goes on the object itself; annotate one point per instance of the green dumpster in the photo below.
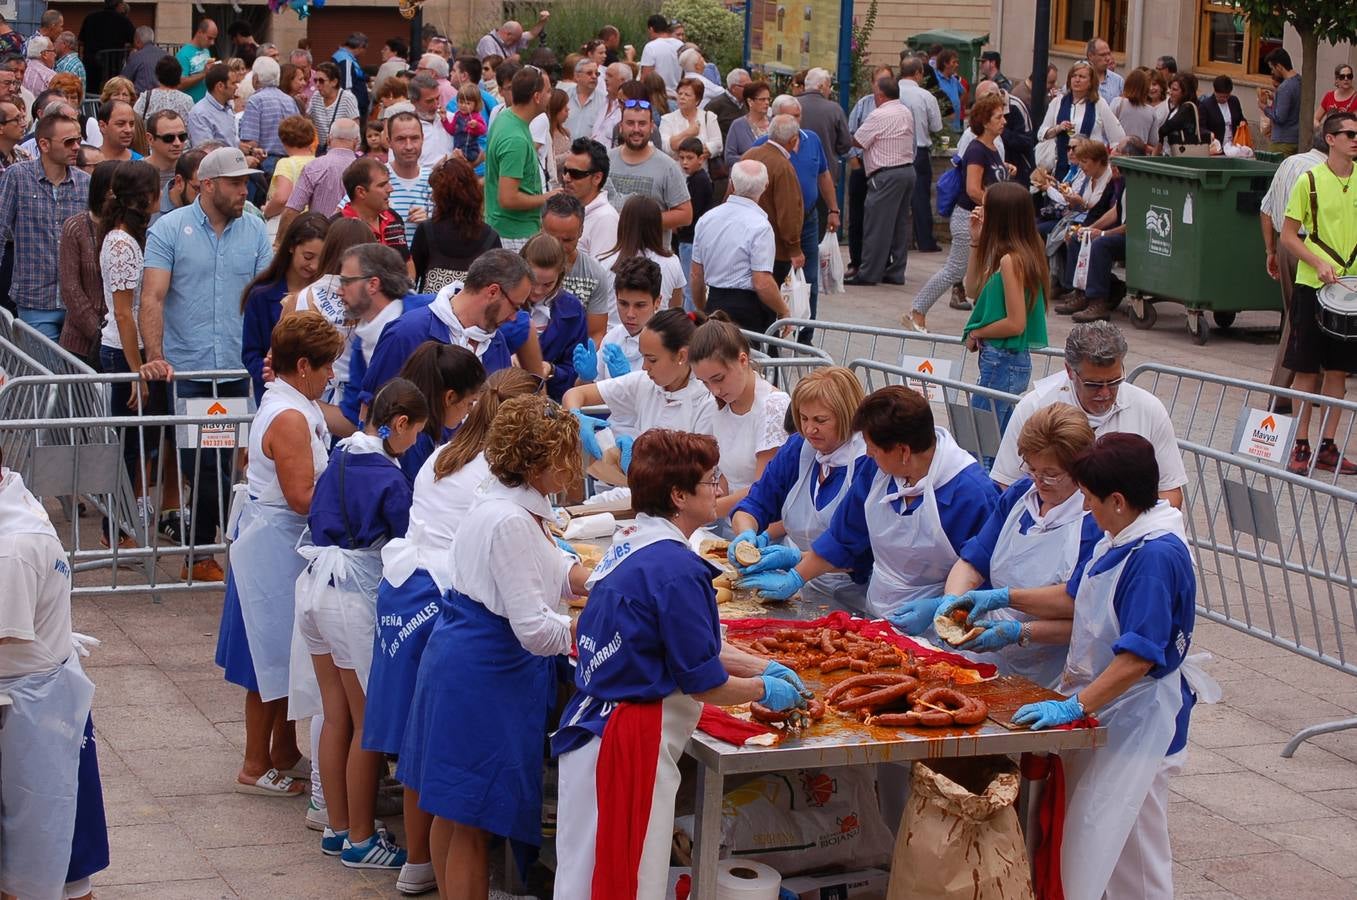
(967, 45)
(1192, 236)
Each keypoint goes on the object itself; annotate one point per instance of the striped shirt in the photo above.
(887, 137)
(32, 211)
(408, 192)
(263, 111)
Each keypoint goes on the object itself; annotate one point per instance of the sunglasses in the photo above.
(1347, 77)
(180, 136)
(577, 174)
(1345, 132)
(633, 104)
(71, 142)
(1097, 386)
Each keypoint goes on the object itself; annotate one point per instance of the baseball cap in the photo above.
(224, 162)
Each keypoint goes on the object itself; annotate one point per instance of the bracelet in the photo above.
(833, 212)
(1024, 634)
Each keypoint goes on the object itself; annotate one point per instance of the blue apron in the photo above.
(406, 616)
(474, 741)
(89, 848)
(233, 645)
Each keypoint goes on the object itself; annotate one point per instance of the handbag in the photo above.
(949, 188)
(1185, 149)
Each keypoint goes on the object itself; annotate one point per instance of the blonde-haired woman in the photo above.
(116, 88)
(1080, 111)
(794, 500)
(1032, 543)
(487, 680)
(417, 569)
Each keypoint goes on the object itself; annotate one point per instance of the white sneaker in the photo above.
(416, 878)
(317, 817)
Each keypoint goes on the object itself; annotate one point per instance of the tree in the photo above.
(1329, 21)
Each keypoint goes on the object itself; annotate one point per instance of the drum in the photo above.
(1337, 309)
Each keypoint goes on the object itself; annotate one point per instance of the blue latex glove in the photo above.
(779, 695)
(588, 425)
(778, 670)
(1049, 713)
(585, 359)
(624, 445)
(615, 358)
(565, 545)
(774, 585)
(775, 557)
(914, 617)
(983, 602)
(996, 636)
(750, 536)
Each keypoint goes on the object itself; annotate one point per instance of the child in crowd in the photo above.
(361, 501)
(467, 126)
(692, 158)
(636, 283)
(375, 140)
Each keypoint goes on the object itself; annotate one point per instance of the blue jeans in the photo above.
(685, 252)
(1003, 370)
(810, 246)
(46, 321)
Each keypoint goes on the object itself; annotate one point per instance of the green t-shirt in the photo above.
(194, 60)
(511, 152)
(1337, 220)
(989, 307)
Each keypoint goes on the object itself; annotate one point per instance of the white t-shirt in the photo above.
(662, 53)
(121, 260)
(1136, 411)
(35, 585)
(441, 505)
(638, 404)
(742, 437)
(630, 344)
(540, 129)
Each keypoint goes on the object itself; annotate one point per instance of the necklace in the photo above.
(1346, 183)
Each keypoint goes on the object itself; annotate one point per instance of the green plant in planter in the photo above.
(717, 30)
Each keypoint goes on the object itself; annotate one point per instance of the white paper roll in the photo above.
(585, 527)
(745, 879)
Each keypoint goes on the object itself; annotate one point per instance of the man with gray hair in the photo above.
(730, 105)
(691, 66)
(267, 107)
(469, 315)
(733, 253)
(321, 183)
(887, 141)
(42, 58)
(1094, 381)
(140, 66)
(374, 282)
(927, 122)
(585, 100)
(782, 200)
(425, 95)
(826, 118)
(436, 67)
(509, 40)
(605, 129)
(68, 60)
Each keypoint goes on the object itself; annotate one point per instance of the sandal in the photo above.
(271, 784)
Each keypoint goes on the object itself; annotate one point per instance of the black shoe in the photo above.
(858, 282)
(172, 526)
(850, 272)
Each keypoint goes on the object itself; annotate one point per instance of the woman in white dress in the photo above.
(751, 414)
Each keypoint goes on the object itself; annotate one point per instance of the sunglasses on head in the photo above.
(180, 136)
(634, 104)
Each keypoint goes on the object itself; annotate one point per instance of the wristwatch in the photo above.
(1025, 634)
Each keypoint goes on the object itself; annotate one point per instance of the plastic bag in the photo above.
(798, 295)
(959, 838)
(1080, 279)
(831, 265)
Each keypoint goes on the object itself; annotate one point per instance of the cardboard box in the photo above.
(863, 884)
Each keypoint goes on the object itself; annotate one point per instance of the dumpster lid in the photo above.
(1196, 168)
(948, 38)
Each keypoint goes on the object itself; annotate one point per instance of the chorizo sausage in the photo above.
(959, 708)
(880, 697)
(875, 679)
(834, 663)
(894, 720)
(861, 665)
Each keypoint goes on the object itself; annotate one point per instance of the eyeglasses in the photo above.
(180, 136)
(577, 174)
(21, 120)
(1097, 386)
(1345, 132)
(516, 304)
(350, 279)
(1043, 478)
(633, 104)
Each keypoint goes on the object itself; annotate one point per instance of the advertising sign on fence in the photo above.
(1265, 436)
(213, 437)
(927, 365)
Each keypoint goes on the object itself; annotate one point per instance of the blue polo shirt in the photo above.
(809, 161)
(208, 276)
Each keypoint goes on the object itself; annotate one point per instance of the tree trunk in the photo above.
(1309, 44)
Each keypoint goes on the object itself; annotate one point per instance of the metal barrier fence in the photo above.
(93, 455)
(969, 411)
(783, 361)
(1236, 416)
(944, 355)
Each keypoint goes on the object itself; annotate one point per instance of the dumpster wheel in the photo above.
(1223, 320)
(1140, 309)
(1196, 326)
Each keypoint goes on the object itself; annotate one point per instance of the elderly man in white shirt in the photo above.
(610, 116)
(1094, 381)
(1280, 264)
(692, 64)
(733, 254)
(586, 100)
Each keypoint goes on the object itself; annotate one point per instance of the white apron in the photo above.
(804, 523)
(912, 555)
(40, 738)
(1107, 787)
(263, 555)
(1046, 554)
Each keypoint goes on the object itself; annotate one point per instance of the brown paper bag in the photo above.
(959, 837)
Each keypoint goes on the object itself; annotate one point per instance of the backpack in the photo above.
(950, 185)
